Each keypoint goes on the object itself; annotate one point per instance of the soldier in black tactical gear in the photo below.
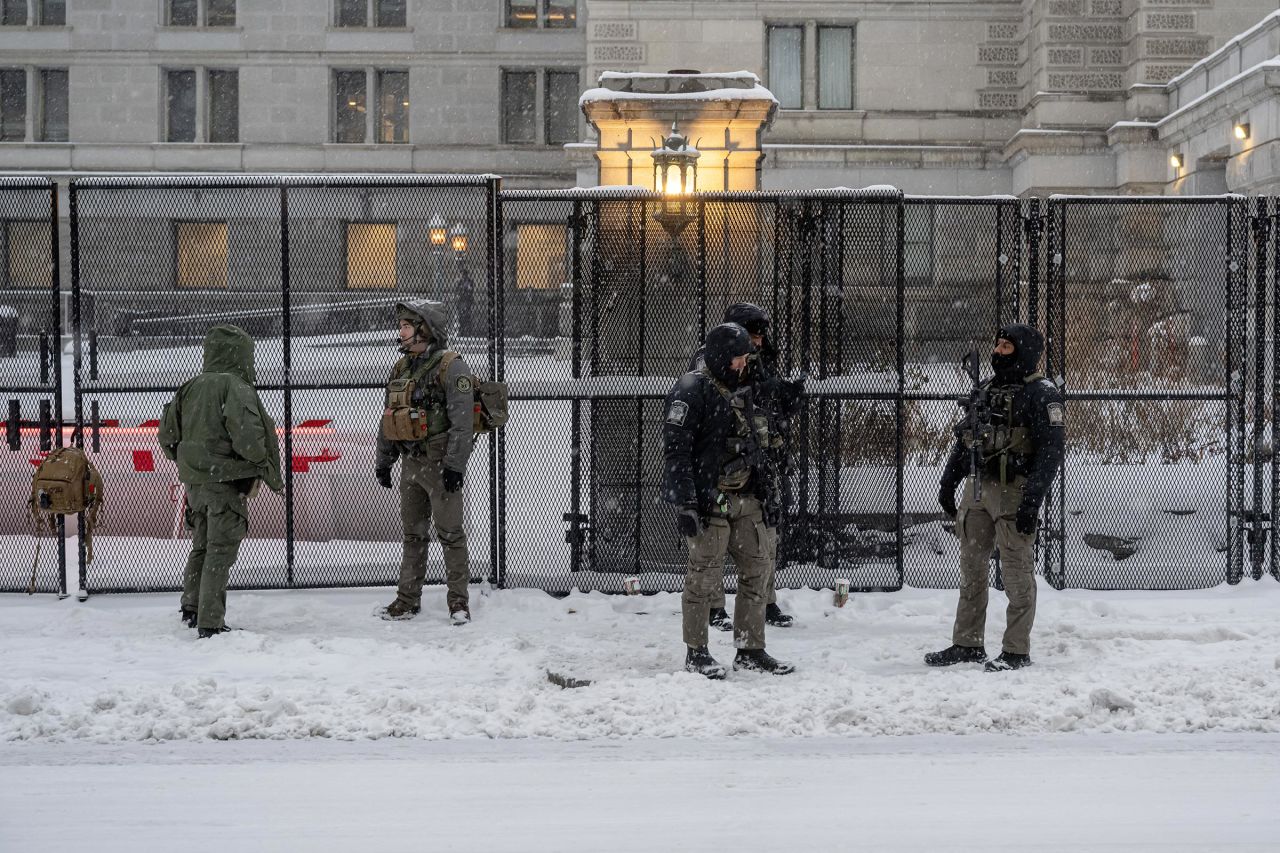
(780, 400)
(721, 480)
(1021, 449)
(427, 425)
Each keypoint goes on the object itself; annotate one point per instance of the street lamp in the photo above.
(675, 175)
(458, 240)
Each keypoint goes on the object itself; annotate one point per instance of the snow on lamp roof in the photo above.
(678, 86)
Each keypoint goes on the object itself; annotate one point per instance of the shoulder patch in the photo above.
(463, 384)
(1057, 416)
(677, 413)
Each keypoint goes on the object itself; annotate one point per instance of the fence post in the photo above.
(1259, 518)
(286, 333)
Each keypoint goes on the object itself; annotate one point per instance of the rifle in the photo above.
(977, 409)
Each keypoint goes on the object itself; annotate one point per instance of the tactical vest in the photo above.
(408, 420)
(750, 434)
(1005, 439)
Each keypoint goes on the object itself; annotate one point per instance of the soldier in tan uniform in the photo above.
(427, 425)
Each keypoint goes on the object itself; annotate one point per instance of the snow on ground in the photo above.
(319, 664)
(1151, 721)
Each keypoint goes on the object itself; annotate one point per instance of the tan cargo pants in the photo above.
(741, 533)
(424, 502)
(980, 525)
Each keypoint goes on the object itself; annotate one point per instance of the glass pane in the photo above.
(519, 107)
(391, 13)
(224, 106)
(785, 46)
(202, 254)
(53, 13)
(30, 261)
(181, 102)
(835, 68)
(562, 13)
(541, 256)
(221, 13)
(350, 108)
(562, 107)
(352, 13)
(13, 105)
(182, 13)
(522, 13)
(393, 106)
(371, 254)
(13, 13)
(53, 107)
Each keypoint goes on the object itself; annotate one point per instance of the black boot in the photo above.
(206, 633)
(956, 654)
(774, 616)
(699, 660)
(758, 660)
(720, 619)
(188, 617)
(398, 611)
(1008, 660)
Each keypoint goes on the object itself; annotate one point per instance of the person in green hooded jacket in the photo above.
(224, 442)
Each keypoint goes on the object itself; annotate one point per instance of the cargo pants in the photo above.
(980, 525)
(741, 534)
(218, 516)
(424, 503)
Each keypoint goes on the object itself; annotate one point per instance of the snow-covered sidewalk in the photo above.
(122, 669)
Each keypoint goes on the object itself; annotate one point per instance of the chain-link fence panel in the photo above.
(30, 378)
(1147, 311)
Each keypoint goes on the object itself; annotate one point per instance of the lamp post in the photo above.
(437, 234)
(675, 176)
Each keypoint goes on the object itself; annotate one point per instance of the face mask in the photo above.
(1006, 365)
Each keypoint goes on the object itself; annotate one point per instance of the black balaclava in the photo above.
(1028, 344)
(754, 319)
(725, 343)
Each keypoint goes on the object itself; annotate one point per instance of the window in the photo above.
(53, 105)
(371, 255)
(201, 254)
(542, 253)
(52, 13)
(200, 13)
(359, 13)
(13, 104)
(835, 57)
(352, 122)
(28, 248)
(561, 119)
(180, 106)
(224, 105)
(786, 48)
(835, 68)
(551, 120)
(520, 107)
(202, 105)
(13, 13)
(548, 14)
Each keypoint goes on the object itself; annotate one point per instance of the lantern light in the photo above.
(675, 176)
(437, 231)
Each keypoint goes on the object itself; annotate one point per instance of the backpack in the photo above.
(65, 483)
(490, 398)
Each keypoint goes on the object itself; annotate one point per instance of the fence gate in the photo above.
(30, 361)
(1147, 309)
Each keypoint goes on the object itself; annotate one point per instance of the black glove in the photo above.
(1028, 515)
(688, 522)
(384, 477)
(947, 499)
(452, 480)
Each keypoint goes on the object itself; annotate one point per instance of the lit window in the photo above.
(201, 249)
(531, 14)
(351, 97)
(28, 254)
(393, 106)
(371, 255)
(542, 253)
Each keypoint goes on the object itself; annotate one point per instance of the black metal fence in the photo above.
(1158, 314)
